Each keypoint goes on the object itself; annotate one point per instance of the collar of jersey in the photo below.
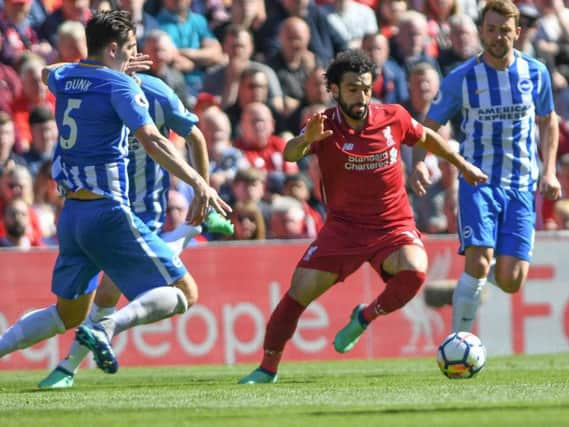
(91, 63)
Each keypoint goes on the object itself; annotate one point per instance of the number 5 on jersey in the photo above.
(70, 123)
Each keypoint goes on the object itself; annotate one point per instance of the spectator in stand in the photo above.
(388, 15)
(249, 14)
(176, 210)
(553, 28)
(298, 187)
(315, 93)
(260, 146)
(47, 203)
(529, 16)
(249, 186)
(34, 94)
(325, 42)
(288, 220)
(15, 217)
(351, 19)
(71, 45)
(16, 182)
(561, 206)
(293, 61)
(162, 53)
(253, 87)
(195, 42)
(464, 43)
(17, 35)
(223, 80)
(424, 83)
(224, 158)
(438, 13)
(44, 138)
(10, 87)
(144, 22)
(70, 10)
(248, 221)
(412, 43)
(391, 85)
(8, 158)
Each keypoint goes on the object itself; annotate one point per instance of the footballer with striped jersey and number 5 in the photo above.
(96, 104)
(369, 216)
(148, 188)
(502, 99)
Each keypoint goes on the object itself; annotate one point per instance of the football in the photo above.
(461, 355)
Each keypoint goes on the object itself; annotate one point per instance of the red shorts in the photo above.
(342, 248)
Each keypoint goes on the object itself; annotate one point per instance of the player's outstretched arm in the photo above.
(420, 179)
(437, 145)
(167, 156)
(197, 147)
(298, 147)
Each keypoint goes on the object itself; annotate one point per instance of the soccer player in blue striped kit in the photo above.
(96, 103)
(498, 98)
(149, 184)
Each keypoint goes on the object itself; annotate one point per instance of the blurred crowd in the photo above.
(253, 71)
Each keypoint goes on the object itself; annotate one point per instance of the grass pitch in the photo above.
(510, 391)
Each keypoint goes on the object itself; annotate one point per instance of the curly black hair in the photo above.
(351, 60)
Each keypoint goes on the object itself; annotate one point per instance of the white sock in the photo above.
(32, 328)
(179, 237)
(153, 305)
(465, 302)
(77, 352)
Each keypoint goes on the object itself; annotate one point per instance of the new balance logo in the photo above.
(348, 146)
(309, 253)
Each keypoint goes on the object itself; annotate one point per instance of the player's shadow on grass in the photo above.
(436, 409)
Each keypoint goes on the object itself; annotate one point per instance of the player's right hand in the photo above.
(472, 174)
(314, 129)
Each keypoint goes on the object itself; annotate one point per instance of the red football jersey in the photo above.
(362, 176)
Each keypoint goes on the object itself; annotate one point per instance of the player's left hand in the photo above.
(550, 187)
(138, 62)
(420, 179)
(473, 175)
(205, 197)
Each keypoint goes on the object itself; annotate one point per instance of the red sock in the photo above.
(400, 289)
(280, 329)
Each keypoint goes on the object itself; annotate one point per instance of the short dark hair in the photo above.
(40, 114)
(351, 60)
(106, 27)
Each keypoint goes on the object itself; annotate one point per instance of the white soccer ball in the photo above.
(461, 355)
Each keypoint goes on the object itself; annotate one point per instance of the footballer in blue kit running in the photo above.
(96, 105)
(149, 184)
(503, 101)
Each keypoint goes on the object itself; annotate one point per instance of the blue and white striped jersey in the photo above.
(149, 182)
(95, 107)
(496, 113)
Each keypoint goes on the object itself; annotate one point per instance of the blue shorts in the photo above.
(104, 235)
(498, 218)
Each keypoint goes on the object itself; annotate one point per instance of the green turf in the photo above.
(511, 391)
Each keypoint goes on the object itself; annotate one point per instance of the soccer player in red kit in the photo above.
(369, 216)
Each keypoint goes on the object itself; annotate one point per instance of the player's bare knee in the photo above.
(509, 285)
(189, 289)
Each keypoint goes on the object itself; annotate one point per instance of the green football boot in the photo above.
(259, 376)
(58, 378)
(217, 223)
(350, 334)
